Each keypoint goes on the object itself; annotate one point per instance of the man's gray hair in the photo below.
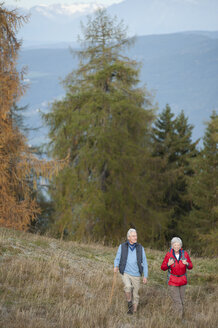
(176, 240)
(129, 232)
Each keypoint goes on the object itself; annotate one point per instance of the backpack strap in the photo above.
(183, 254)
(170, 254)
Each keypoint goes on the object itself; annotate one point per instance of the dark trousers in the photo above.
(178, 295)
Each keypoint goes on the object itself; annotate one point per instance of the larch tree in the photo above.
(103, 120)
(18, 166)
(17, 208)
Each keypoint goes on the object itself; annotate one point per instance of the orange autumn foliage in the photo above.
(19, 168)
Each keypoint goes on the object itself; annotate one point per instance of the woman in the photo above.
(176, 262)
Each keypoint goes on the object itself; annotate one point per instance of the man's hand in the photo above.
(145, 280)
(115, 269)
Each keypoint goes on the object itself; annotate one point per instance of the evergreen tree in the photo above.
(204, 217)
(103, 122)
(161, 178)
(173, 150)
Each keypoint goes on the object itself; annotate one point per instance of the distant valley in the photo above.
(181, 69)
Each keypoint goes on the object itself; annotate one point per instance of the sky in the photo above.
(31, 3)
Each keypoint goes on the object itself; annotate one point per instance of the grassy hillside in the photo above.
(54, 284)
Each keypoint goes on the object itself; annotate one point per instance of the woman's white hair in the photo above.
(129, 232)
(176, 240)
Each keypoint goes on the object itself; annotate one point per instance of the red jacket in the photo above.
(177, 271)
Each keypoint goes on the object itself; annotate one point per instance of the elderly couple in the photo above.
(132, 264)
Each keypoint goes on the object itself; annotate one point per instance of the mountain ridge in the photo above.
(61, 23)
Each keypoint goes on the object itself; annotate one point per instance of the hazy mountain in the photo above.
(54, 23)
(167, 16)
(182, 69)
(61, 23)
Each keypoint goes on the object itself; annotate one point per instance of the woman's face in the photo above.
(176, 247)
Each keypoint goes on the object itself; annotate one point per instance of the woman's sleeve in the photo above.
(190, 265)
(164, 265)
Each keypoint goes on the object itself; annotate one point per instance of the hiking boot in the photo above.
(130, 308)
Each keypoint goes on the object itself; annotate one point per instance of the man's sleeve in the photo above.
(145, 264)
(117, 258)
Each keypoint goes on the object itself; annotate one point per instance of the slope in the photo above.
(47, 283)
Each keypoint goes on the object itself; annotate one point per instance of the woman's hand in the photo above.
(170, 262)
(185, 262)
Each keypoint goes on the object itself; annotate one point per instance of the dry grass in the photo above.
(45, 283)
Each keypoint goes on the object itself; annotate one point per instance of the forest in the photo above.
(112, 162)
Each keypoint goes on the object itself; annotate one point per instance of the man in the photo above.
(132, 263)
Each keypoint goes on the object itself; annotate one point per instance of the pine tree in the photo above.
(204, 217)
(173, 150)
(103, 121)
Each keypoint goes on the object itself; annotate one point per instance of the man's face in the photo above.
(132, 237)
